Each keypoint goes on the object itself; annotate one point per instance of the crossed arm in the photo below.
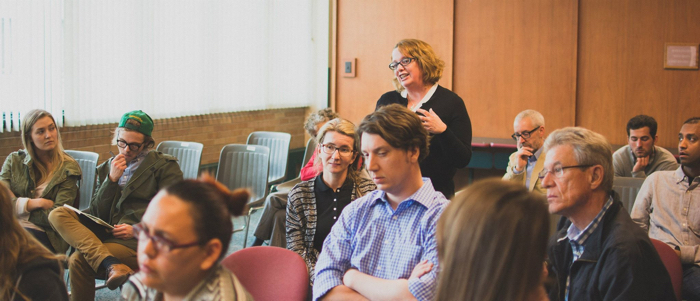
(361, 286)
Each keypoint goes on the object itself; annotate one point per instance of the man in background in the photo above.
(640, 157)
(526, 163)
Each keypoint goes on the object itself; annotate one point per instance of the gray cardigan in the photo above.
(623, 162)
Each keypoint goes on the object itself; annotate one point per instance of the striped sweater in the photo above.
(301, 219)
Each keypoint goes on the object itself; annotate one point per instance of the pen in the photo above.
(111, 153)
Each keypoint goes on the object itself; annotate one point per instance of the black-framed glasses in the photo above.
(404, 61)
(330, 149)
(160, 244)
(132, 146)
(558, 171)
(526, 134)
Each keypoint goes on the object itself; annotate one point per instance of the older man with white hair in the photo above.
(599, 253)
(528, 160)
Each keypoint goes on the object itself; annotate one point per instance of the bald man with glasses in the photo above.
(528, 160)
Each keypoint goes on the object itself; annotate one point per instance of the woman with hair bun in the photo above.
(184, 234)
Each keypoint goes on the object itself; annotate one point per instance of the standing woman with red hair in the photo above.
(417, 69)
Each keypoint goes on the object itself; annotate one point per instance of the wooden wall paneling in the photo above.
(368, 30)
(621, 70)
(512, 55)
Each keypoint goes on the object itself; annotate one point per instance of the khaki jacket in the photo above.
(18, 174)
(535, 183)
(127, 206)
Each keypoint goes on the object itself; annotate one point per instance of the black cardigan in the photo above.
(450, 150)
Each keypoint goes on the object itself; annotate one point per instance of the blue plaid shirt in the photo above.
(577, 238)
(376, 240)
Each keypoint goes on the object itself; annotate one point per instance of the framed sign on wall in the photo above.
(681, 56)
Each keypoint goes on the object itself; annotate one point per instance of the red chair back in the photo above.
(672, 263)
(270, 273)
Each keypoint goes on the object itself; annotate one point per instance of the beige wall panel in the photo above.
(515, 55)
(621, 74)
(368, 30)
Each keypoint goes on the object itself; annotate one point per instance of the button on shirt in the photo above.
(376, 240)
(577, 238)
(131, 168)
(329, 204)
(668, 207)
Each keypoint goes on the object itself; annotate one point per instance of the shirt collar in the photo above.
(138, 158)
(425, 99)
(681, 177)
(321, 185)
(535, 156)
(580, 237)
(425, 195)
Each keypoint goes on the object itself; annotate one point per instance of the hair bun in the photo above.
(237, 200)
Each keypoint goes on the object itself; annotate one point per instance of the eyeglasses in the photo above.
(132, 146)
(558, 171)
(330, 149)
(404, 61)
(526, 134)
(160, 244)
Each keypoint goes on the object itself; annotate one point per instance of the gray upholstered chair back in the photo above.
(627, 189)
(88, 166)
(279, 152)
(188, 154)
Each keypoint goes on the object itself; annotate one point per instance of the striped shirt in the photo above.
(376, 240)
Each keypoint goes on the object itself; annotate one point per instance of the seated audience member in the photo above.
(641, 157)
(492, 242)
(599, 253)
(183, 236)
(272, 221)
(315, 205)
(381, 238)
(29, 271)
(125, 185)
(42, 177)
(417, 70)
(526, 163)
(667, 207)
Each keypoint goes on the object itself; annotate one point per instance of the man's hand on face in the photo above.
(522, 155)
(117, 168)
(642, 162)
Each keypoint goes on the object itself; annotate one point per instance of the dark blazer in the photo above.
(619, 262)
